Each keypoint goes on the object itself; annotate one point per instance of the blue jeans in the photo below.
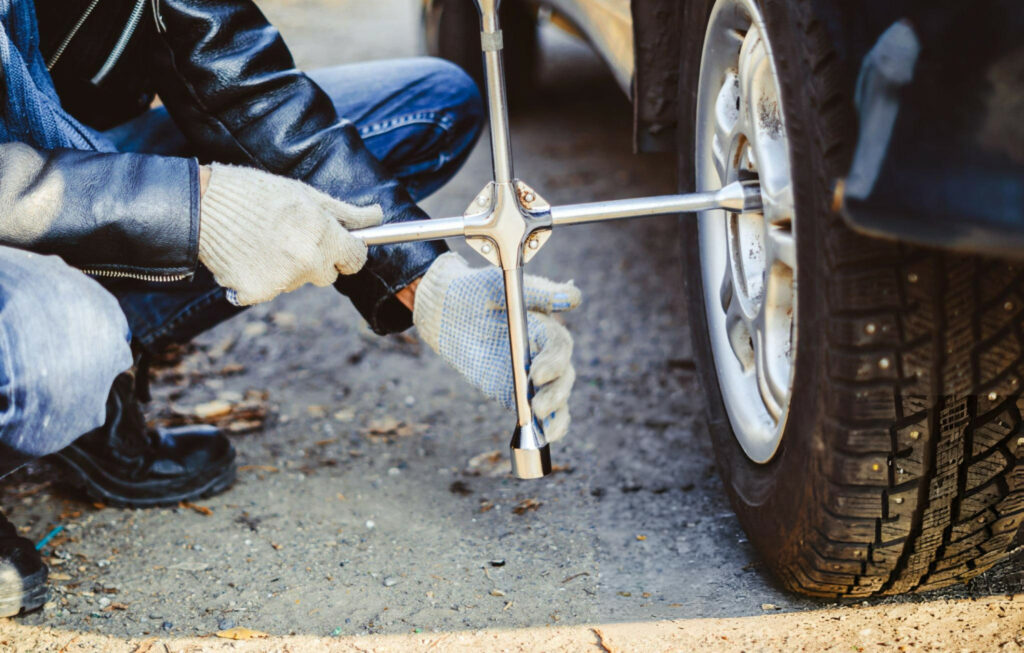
(63, 337)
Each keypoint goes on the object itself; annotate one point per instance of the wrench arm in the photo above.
(737, 197)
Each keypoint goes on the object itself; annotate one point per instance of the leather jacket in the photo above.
(228, 80)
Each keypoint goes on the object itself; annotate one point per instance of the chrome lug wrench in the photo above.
(508, 223)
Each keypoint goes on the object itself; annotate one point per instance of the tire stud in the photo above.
(992, 396)
(884, 363)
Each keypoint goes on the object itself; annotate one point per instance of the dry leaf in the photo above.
(526, 505)
(240, 633)
(244, 425)
(259, 468)
(390, 429)
(491, 463)
(212, 409)
(144, 647)
(202, 510)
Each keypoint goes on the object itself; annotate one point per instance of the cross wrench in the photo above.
(508, 223)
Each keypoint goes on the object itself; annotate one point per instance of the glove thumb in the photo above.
(547, 296)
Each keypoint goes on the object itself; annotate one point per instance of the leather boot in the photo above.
(124, 463)
(22, 573)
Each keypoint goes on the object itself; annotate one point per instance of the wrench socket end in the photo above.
(531, 463)
(531, 455)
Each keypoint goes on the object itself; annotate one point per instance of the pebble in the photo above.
(167, 625)
(104, 602)
(225, 623)
(390, 581)
(370, 524)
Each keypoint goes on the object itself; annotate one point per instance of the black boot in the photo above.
(124, 463)
(22, 573)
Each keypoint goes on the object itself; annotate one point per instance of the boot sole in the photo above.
(122, 496)
(32, 597)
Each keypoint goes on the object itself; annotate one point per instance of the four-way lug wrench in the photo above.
(509, 222)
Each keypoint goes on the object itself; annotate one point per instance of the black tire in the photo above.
(451, 31)
(890, 478)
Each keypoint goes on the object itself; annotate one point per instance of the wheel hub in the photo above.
(748, 260)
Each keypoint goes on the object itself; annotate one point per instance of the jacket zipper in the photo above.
(122, 43)
(121, 274)
(70, 35)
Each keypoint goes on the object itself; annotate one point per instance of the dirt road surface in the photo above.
(370, 514)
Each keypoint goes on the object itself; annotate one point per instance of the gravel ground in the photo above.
(368, 510)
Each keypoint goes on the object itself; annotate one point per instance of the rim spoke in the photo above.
(727, 117)
(740, 335)
(782, 246)
(772, 391)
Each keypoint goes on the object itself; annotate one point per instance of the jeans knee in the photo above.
(460, 95)
(63, 339)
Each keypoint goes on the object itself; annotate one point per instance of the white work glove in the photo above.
(262, 235)
(460, 312)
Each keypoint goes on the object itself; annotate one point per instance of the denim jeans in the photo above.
(63, 337)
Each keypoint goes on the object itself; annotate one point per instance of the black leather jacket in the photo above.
(231, 86)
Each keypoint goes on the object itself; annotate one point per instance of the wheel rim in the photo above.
(748, 261)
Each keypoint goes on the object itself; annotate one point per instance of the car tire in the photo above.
(899, 468)
(451, 31)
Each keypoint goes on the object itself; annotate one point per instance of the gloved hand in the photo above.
(262, 235)
(460, 312)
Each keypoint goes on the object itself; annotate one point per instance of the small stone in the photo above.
(870, 329)
(497, 592)
(1008, 306)
(992, 396)
(104, 602)
(769, 606)
(898, 499)
(884, 363)
(370, 524)
(915, 435)
(912, 277)
(394, 471)
(167, 625)
(225, 623)
(390, 581)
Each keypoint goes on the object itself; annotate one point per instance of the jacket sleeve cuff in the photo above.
(389, 269)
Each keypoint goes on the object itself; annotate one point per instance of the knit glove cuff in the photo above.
(262, 235)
